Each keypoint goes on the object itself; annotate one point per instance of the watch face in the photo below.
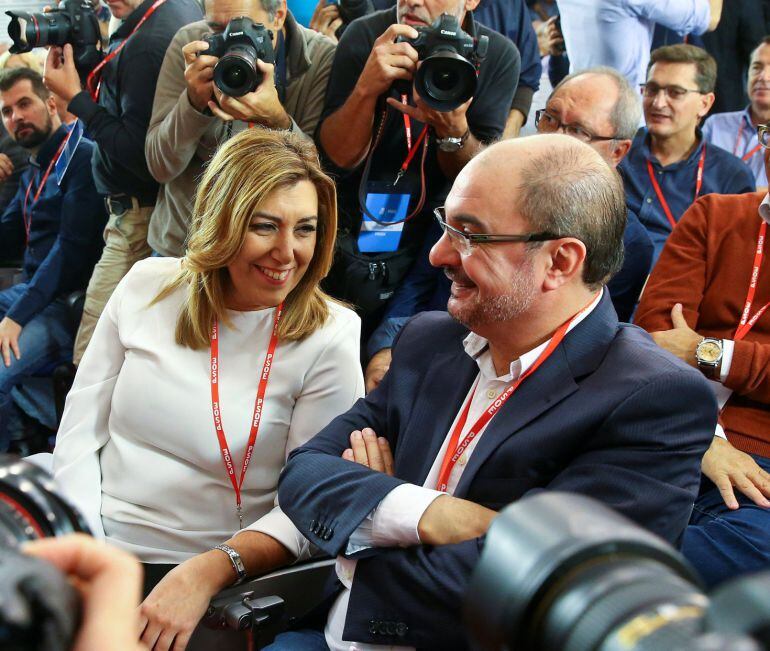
(709, 352)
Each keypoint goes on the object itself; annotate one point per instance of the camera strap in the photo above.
(659, 192)
(93, 81)
(256, 419)
(280, 67)
(456, 448)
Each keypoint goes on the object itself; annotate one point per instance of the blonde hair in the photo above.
(29, 60)
(245, 170)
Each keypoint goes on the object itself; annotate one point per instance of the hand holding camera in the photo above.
(389, 61)
(60, 74)
(199, 73)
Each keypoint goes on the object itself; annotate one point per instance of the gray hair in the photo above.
(626, 115)
(271, 7)
(571, 192)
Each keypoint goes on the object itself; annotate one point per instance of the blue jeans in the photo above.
(44, 342)
(722, 544)
(307, 639)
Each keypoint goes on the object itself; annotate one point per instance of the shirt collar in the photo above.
(764, 208)
(477, 347)
(49, 147)
(690, 160)
(746, 117)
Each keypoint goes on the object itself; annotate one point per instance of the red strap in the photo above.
(747, 323)
(748, 154)
(93, 81)
(454, 450)
(28, 218)
(659, 192)
(216, 409)
(411, 149)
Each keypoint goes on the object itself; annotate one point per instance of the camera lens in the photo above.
(236, 72)
(446, 80)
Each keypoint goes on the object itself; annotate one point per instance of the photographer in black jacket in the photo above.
(361, 94)
(116, 109)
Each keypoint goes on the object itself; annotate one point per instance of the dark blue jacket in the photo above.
(609, 414)
(65, 237)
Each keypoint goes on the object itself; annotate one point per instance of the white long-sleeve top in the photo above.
(137, 451)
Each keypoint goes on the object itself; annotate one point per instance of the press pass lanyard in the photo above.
(93, 81)
(410, 149)
(216, 409)
(28, 218)
(747, 323)
(749, 153)
(454, 450)
(659, 192)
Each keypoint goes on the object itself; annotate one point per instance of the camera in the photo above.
(73, 22)
(238, 48)
(450, 57)
(562, 572)
(349, 11)
(39, 609)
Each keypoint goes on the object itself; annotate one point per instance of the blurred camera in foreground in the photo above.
(39, 609)
(563, 572)
(73, 22)
(238, 48)
(447, 76)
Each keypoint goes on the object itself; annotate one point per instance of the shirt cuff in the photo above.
(83, 106)
(396, 518)
(728, 347)
(522, 101)
(277, 524)
(385, 335)
(720, 432)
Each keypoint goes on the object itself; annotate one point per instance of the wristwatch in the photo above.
(235, 559)
(450, 144)
(708, 354)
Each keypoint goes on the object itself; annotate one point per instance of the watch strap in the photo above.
(235, 559)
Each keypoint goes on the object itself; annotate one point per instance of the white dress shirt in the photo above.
(394, 522)
(137, 451)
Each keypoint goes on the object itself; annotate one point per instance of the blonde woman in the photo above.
(194, 358)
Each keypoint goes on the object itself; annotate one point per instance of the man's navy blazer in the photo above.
(609, 414)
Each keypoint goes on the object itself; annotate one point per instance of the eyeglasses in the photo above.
(651, 90)
(547, 123)
(763, 135)
(464, 243)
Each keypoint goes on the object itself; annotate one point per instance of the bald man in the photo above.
(528, 383)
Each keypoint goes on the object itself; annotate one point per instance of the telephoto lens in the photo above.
(39, 609)
(563, 572)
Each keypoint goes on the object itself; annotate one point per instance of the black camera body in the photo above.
(73, 22)
(450, 57)
(238, 48)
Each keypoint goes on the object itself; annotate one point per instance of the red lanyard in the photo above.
(28, 219)
(450, 457)
(257, 417)
(749, 153)
(659, 192)
(411, 150)
(92, 84)
(747, 323)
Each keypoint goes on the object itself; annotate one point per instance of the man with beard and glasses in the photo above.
(56, 220)
(529, 383)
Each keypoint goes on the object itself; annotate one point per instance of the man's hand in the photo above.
(199, 73)
(326, 19)
(549, 38)
(370, 451)
(728, 468)
(449, 520)
(60, 75)
(9, 339)
(109, 582)
(261, 106)
(170, 613)
(6, 168)
(388, 61)
(682, 340)
(450, 124)
(376, 368)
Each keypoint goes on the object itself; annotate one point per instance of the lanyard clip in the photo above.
(399, 176)
(239, 511)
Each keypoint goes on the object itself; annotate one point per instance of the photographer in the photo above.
(116, 111)
(403, 168)
(191, 116)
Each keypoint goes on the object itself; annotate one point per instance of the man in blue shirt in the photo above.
(669, 164)
(56, 217)
(737, 131)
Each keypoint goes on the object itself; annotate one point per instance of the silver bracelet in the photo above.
(235, 559)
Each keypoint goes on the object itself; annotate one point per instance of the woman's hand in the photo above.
(173, 609)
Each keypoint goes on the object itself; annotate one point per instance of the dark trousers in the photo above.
(722, 544)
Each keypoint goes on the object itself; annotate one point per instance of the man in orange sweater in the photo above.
(707, 302)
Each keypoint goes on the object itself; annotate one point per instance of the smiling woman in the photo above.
(204, 373)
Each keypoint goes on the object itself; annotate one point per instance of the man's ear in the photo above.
(566, 260)
(50, 104)
(707, 102)
(280, 16)
(619, 151)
